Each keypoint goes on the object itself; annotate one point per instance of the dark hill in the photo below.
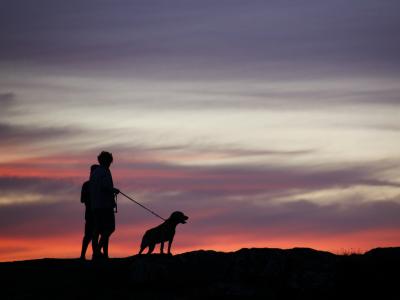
(246, 274)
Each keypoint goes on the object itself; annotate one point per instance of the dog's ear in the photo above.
(173, 215)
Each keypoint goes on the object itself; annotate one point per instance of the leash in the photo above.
(149, 210)
(115, 201)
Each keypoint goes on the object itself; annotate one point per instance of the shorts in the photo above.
(104, 220)
(89, 227)
(88, 223)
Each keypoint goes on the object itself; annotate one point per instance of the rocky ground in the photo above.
(246, 274)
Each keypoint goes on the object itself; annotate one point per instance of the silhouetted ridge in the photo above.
(298, 273)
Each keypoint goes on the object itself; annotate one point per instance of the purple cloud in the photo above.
(227, 34)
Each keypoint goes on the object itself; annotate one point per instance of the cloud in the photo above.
(26, 185)
(189, 153)
(136, 169)
(303, 216)
(246, 221)
(41, 219)
(289, 95)
(220, 202)
(6, 99)
(28, 141)
(14, 134)
(225, 35)
(238, 208)
(247, 180)
(7, 250)
(147, 175)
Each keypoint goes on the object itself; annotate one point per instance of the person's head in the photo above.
(92, 168)
(105, 159)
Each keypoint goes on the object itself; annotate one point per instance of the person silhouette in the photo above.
(85, 199)
(102, 200)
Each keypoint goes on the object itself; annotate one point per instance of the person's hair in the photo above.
(105, 158)
(93, 167)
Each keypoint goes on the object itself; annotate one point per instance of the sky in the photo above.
(269, 123)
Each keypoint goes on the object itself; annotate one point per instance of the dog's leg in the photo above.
(141, 249)
(162, 248)
(169, 245)
(151, 248)
(143, 244)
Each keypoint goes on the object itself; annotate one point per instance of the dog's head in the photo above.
(178, 217)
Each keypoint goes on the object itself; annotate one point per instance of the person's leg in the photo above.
(95, 245)
(87, 238)
(96, 234)
(109, 227)
(103, 243)
(85, 243)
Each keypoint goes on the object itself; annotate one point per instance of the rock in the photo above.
(298, 273)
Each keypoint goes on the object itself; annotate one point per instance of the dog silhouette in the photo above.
(162, 233)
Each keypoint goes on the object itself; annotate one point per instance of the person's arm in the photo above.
(84, 192)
